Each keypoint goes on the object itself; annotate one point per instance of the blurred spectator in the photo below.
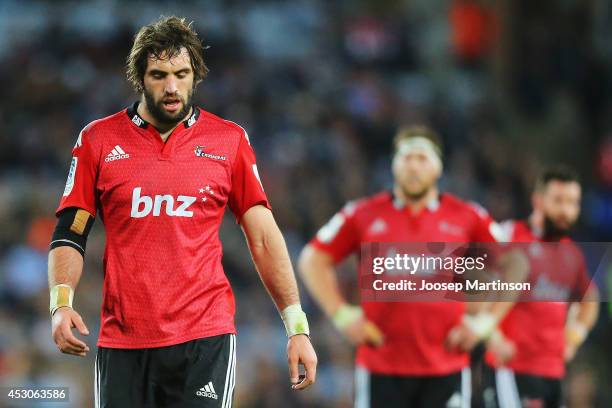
(474, 29)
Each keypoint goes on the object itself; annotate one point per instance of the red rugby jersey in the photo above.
(537, 328)
(414, 332)
(162, 205)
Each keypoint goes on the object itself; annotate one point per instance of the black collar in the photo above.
(136, 119)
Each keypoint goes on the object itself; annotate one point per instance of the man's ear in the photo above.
(440, 171)
(536, 200)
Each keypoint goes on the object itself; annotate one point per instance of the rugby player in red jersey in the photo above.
(160, 175)
(536, 338)
(402, 355)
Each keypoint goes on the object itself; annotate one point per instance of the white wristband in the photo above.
(60, 296)
(346, 315)
(576, 333)
(295, 320)
(482, 325)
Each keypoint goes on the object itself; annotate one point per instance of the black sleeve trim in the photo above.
(66, 242)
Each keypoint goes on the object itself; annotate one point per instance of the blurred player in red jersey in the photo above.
(402, 359)
(160, 175)
(536, 338)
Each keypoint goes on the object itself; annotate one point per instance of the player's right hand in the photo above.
(502, 349)
(363, 331)
(63, 321)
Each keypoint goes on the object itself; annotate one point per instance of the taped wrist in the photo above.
(295, 320)
(483, 324)
(60, 296)
(72, 229)
(576, 333)
(346, 315)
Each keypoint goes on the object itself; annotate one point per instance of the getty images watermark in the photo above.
(428, 265)
(433, 271)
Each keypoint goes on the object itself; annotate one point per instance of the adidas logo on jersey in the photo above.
(116, 154)
(207, 391)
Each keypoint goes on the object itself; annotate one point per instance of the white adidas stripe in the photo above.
(227, 374)
(212, 389)
(362, 387)
(119, 149)
(230, 375)
(114, 153)
(230, 399)
(466, 387)
(507, 392)
(96, 383)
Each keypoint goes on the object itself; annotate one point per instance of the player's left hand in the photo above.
(575, 334)
(301, 352)
(569, 352)
(502, 349)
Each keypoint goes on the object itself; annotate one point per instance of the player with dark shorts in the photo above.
(160, 175)
(402, 358)
(526, 357)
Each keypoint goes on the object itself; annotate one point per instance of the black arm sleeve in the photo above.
(72, 229)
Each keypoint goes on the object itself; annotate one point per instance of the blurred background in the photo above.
(320, 86)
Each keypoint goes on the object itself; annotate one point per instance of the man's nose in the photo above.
(170, 87)
(412, 165)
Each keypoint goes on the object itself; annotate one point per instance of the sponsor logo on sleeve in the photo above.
(70, 180)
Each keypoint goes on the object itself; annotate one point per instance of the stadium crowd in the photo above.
(320, 87)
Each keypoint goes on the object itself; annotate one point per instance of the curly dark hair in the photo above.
(557, 172)
(167, 36)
